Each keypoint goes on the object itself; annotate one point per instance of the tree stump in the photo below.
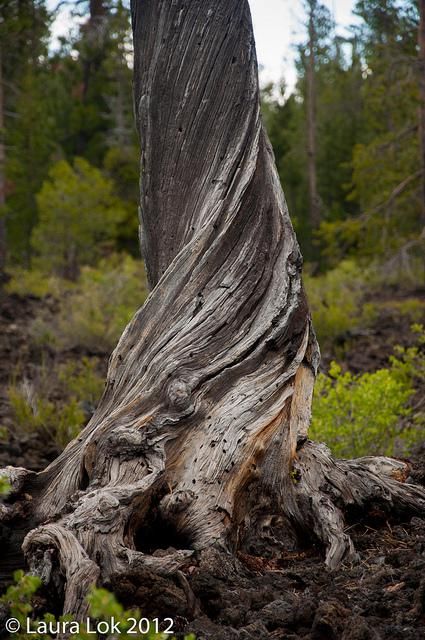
(202, 431)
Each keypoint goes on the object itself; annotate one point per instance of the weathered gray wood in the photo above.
(207, 402)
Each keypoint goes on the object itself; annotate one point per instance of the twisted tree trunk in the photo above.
(201, 434)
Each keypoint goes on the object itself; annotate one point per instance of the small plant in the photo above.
(335, 300)
(82, 381)
(18, 596)
(58, 403)
(4, 487)
(93, 315)
(370, 414)
(4, 483)
(35, 282)
(103, 606)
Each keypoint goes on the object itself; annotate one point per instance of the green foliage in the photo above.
(35, 282)
(94, 314)
(385, 169)
(18, 596)
(368, 161)
(335, 300)
(411, 308)
(370, 414)
(4, 483)
(28, 133)
(409, 362)
(31, 144)
(121, 164)
(82, 380)
(56, 404)
(358, 415)
(78, 215)
(4, 487)
(103, 606)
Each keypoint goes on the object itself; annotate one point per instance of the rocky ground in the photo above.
(294, 596)
(288, 596)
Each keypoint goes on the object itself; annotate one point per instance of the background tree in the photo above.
(78, 213)
(311, 100)
(386, 175)
(3, 242)
(23, 32)
(421, 42)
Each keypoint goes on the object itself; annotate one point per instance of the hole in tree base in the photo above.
(84, 480)
(156, 533)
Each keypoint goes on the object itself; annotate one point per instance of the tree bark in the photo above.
(94, 34)
(201, 432)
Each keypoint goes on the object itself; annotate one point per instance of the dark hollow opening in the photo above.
(156, 533)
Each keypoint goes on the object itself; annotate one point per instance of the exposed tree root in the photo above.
(95, 542)
(52, 545)
(324, 488)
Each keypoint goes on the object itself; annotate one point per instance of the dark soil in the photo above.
(294, 596)
(20, 359)
(17, 358)
(369, 349)
(256, 595)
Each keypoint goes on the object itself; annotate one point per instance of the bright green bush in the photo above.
(18, 596)
(335, 300)
(409, 362)
(103, 605)
(57, 402)
(358, 415)
(370, 413)
(35, 282)
(94, 314)
(78, 213)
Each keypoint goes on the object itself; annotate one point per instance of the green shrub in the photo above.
(4, 483)
(335, 300)
(78, 213)
(411, 308)
(60, 423)
(370, 414)
(103, 605)
(358, 415)
(35, 282)
(82, 381)
(18, 596)
(94, 314)
(4, 487)
(56, 403)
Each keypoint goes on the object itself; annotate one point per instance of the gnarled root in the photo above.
(323, 488)
(80, 573)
